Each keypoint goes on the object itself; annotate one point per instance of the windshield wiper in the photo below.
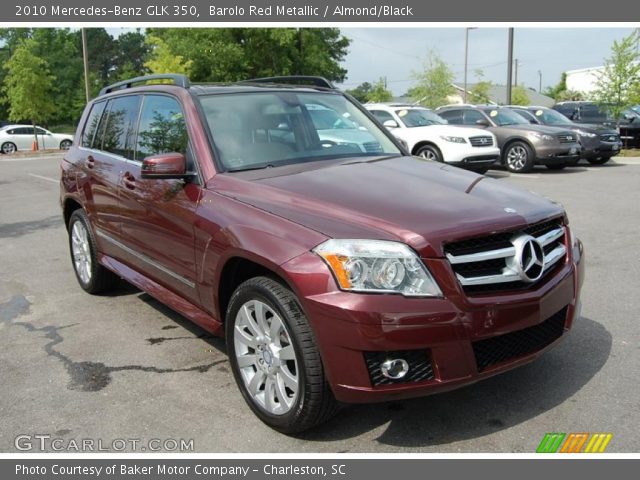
(246, 169)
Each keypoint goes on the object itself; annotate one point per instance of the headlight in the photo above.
(453, 139)
(542, 136)
(377, 266)
(584, 133)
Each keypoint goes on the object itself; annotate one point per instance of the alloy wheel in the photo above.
(8, 148)
(266, 358)
(517, 157)
(428, 155)
(81, 251)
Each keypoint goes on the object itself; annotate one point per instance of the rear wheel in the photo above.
(65, 144)
(274, 357)
(92, 277)
(519, 158)
(430, 152)
(9, 147)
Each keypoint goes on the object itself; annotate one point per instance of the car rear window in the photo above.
(91, 125)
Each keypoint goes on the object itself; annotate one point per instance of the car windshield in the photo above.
(419, 117)
(636, 109)
(551, 117)
(503, 117)
(270, 129)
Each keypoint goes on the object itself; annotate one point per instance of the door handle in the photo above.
(91, 162)
(129, 181)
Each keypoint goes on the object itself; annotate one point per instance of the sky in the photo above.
(395, 53)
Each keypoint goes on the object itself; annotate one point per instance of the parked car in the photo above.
(427, 135)
(628, 124)
(599, 142)
(335, 274)
(522, 144)
(21, 137)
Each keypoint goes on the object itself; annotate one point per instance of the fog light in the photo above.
(394, 369)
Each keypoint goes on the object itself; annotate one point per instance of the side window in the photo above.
(119, 132)
(454, 117)
(382, 116)
(91, 127)
(471, 117)
(162, 127)
(42, 131)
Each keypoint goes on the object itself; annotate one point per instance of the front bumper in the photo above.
(465, 155)
(557, 153)
(350, 328)
(602, 149)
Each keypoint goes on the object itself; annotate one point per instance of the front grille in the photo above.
(567, 138)
(481, 141)
(419, 361)
(372, 147)
(610, 137)
(503, 348)
(486, 264)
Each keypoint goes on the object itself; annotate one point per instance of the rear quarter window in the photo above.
(119, 131)
(91, 125)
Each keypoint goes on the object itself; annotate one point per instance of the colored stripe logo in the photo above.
(574, 443)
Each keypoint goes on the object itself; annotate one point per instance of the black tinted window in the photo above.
(119, 133)
(91, 127)
(162, 127)
(452, 116)
(382, 116)
(471, 117)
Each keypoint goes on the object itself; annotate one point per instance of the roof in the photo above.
(498, 95)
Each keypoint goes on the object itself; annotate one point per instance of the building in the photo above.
(583, 80)
(498, 95)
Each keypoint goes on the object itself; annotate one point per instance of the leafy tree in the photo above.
(28, 85)
(131, 53)
(480, 93)
(567, 95)
(162, 60)
(618, 82)
(379, 93)
(434, 84)
(361, 92)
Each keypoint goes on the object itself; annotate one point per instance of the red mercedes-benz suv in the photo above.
(339, 268)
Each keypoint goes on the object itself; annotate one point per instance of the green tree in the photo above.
(379, 93)
(28, 85)
(519, 96)
(568, 95)
(163, 60)
(361, 92)
(480, 93)
(617, 83)
(433, 85)
(131, 53)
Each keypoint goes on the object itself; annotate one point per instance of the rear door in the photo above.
(107, 141)
(158, 215)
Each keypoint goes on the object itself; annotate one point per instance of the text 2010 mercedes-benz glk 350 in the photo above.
(339, 268)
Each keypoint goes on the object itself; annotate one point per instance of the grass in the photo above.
(63, 128)
(629, 153)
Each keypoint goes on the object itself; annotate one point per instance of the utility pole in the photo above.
(85, 60)
(466, 57)
(539, 81)
(509, 66)
(515, 67)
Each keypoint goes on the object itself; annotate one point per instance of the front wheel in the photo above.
(599, 160)
(430, 152)
(65, 144)
(274, 357)
(519, 158)
(9, 147)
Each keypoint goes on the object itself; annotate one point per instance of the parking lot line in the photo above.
(44, 178)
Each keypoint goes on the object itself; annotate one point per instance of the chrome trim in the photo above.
(551, 236)
(553, 256)
(482, 256)
(506, 276)
(146, 259)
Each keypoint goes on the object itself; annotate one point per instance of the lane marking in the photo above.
(44, 178)
(29, 159)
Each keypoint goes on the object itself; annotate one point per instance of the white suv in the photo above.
(429, 136)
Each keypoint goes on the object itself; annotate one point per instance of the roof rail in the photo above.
(177, 79)
(302, 80)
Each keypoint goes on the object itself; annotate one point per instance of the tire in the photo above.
(264, 301)
(8, 147)
(480, 170)
(556, 166)
(518, 157)
(65, 144)
(599, 160)
(430, 152)
(92, 277)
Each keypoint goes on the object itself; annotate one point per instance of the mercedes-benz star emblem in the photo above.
(529, 258)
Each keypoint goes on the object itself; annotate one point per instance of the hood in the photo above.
(599, 129)
(527, 127)
(408, 199)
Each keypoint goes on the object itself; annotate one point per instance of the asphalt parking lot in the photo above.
(123, 366)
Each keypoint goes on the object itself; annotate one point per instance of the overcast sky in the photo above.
(396, 52)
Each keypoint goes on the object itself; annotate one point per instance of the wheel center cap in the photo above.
(267, 357)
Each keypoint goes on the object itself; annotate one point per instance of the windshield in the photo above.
(551, 117)
(419, 117)
(503, 117)
(270, 129)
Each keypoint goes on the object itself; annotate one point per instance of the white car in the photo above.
(429, 136)
(20, 137)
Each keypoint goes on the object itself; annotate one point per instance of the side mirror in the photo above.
(482, 122)
(390, 124)
(164, 165)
